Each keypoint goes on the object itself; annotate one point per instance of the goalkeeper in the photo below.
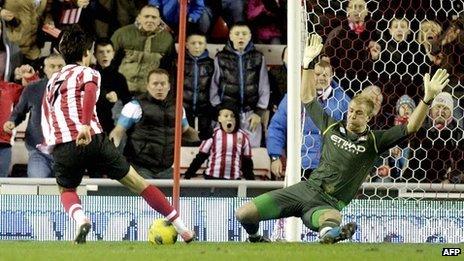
(348, 155)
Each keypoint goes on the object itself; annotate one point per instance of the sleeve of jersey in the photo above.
(91, 75)
(205, 146)
(90, 99)
(386, 139)
(318, 115)
(131, 113)
(246, 151)
(184, 119)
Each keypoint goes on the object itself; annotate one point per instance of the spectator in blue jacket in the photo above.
(170, 11)
(334, 101)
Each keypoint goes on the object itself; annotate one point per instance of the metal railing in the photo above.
(406, 189)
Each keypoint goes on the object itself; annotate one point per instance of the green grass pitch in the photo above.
(33, 250)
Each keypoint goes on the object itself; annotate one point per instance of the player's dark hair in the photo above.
(103, 41)
(240, 23)
(74, 44)
(196, 32)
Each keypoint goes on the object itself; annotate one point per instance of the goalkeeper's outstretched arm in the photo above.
(432, 87)
(312, 49)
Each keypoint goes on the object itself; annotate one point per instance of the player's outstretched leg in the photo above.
(157, 200)
(72, 206)
(327, 221)
(248, 216)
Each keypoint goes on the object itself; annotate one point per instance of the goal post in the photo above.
(293, 169)
(179, 102)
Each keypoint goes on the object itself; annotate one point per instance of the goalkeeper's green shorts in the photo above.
(294, 201)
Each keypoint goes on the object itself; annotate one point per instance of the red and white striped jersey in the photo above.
(71, 16)
(63, 103)
(226, 150)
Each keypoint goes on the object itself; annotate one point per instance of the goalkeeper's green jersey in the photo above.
(347, 158)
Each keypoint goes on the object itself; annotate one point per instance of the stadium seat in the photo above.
(21, 129)
(19, 154)
(187, 154)
(220, 31)
(272, 52)
(261, 162)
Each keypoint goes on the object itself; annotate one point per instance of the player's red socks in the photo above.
(157, 200)
(72, 206)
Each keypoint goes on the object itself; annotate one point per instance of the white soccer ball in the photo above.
(162, 232)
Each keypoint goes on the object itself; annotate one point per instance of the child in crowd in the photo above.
(397, 158)
(228, 150)
(199, 69)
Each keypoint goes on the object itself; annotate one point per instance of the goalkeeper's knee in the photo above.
(318, 219)
(247, 213)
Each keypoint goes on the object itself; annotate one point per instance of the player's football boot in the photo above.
(258, 239)
(337, 234)
(82, 232)
(188, 236)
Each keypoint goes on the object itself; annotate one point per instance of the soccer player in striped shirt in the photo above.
(349, 152)
(229, 150)
(70, 125)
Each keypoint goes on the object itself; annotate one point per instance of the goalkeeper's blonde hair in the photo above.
(367, 101)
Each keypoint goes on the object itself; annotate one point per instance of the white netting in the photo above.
(435, 154)
(398, 43)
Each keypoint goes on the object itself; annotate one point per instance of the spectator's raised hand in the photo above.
(26, 71)
(112, 97)
(374, 49)
(451, 34)
(313, 48)
(432, 87)
(9, 126)
(83, 3)
(7, 15)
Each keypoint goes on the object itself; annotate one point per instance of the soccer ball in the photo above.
(162, 232)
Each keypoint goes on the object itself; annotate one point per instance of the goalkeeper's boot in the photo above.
(82, 232)
(188, 236)
(337, 234)
(258, 239)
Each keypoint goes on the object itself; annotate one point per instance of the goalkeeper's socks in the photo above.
(72, 206)
(255, 235)
(324, 230)
(157, 200)
(251, 229)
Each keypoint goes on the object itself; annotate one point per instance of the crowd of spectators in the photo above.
(381, 52)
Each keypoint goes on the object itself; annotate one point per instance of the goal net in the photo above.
(384, 48)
